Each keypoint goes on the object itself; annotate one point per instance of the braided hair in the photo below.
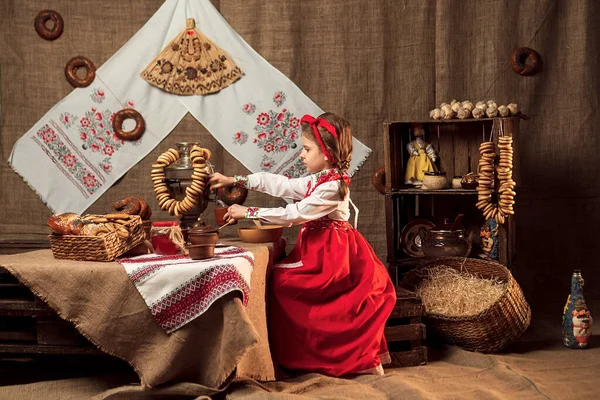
(340, 148)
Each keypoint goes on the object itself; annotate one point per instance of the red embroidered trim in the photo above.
(252, 212)
(329, 176)
(326, 223)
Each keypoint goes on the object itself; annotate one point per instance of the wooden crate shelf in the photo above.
(404, 331)
(29, 327)
(457, 144)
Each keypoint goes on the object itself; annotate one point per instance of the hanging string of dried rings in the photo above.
(199, 157)
(504, 196)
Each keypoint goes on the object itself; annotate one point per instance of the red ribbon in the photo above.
(315, 123)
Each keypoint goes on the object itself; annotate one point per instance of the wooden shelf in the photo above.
(22, 348)
(452, 121)
(431, 191)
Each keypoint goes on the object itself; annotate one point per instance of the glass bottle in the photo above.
(577, 321)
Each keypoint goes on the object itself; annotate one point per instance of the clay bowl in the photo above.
(201, 251)
(254, 234)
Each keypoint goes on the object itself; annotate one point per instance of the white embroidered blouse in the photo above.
(323, 201)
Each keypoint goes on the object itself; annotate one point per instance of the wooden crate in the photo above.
(457, 144)
(28, 326)
(405, 332)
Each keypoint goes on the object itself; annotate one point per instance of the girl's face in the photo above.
(312, 156)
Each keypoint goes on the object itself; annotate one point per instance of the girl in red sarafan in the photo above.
(331, 296)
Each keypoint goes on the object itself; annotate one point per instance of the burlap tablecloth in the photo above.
(100, 300)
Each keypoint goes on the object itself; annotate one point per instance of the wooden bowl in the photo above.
(201, 251)
(253, 234)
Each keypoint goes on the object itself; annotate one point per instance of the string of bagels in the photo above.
(488, 170)
(199, 157)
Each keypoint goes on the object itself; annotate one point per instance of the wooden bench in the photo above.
(405, 332)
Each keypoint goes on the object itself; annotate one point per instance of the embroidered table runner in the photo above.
(71, 156)
(178, 289)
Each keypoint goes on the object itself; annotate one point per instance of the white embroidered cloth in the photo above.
(256, 119)
(178, 289)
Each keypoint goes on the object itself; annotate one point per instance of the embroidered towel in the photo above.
(178, 289)
(256, 118)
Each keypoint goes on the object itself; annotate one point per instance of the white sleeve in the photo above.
(323, 201)
(275, 185)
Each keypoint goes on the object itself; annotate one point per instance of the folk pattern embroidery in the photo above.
(276, 133)
(240, 181)
(240, 138)
(252, 212)
(72, 164)
(97, 96)
(296, 170)
(249, 108)
(96, 133)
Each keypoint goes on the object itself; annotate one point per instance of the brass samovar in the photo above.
(178, 176)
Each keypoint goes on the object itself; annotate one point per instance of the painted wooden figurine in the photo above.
(577, 321)
(422, 157)
(489, 240)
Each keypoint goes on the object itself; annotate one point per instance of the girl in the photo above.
(331, 296)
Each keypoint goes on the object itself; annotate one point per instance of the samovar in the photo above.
(178, 176)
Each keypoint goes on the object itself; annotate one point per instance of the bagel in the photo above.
(42, 29)
(232, 195)
(379, 179)
(71, 71)
(525, 61)
(135, 133)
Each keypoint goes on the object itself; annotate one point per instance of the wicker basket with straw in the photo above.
(487, 331)
(106, 247)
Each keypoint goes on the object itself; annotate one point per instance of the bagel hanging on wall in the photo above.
(76, 63)
(526, 61)
(43, 30)
(122, 115)
(379, 179)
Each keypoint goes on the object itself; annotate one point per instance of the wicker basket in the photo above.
(492, 329)
(97, 248)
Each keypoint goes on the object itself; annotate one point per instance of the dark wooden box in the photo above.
(405, 332)
(28, 326)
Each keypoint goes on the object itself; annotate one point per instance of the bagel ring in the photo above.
(232, 195)
(122, 115)
(379, 179)
(42, 29)
(526, 61)
(71, 71)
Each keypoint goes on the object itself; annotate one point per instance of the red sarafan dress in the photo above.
(331, 296)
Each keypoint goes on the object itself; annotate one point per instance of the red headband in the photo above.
(315, 123)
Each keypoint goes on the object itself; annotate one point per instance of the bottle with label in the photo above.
(577, 321)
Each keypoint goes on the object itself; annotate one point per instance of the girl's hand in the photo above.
(235, 212)
(218, 180)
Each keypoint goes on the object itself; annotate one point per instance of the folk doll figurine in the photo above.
(577, 321)
(422, 157)
(489, 240)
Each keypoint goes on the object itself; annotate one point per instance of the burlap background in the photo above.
(369, 61)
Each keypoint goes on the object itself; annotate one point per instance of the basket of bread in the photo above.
(94, 237)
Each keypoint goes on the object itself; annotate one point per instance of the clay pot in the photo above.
(203, 235)
(219, 214)
(254, 234)
(201, 251)
(470, 181)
